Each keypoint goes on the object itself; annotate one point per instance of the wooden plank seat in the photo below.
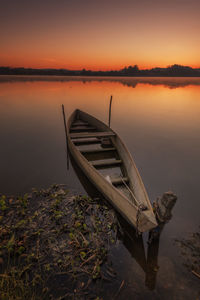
(97, 134)
(82, 128)
(119, 181)
(106, 164)
(86, 151)
(87, 141)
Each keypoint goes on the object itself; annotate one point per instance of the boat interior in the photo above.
(98, 148)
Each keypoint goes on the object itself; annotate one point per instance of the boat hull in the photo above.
(143, 220)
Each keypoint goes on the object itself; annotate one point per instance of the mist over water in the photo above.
(157, 118)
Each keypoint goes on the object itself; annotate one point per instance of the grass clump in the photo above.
(48, 238)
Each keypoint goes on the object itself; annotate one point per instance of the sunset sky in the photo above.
(99, 34)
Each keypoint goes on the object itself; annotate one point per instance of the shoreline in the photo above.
(50, 237)
(57, 245)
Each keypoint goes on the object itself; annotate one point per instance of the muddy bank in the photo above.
(54, 245)
(190, 252)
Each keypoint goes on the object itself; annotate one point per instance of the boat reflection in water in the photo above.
(128, 235)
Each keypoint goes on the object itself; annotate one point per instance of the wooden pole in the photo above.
(163, 207)
(152, 263)
(110, 110)
(65, 126)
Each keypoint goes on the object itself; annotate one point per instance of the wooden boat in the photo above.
(105, 160)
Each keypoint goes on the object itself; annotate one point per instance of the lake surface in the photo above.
(157, 118)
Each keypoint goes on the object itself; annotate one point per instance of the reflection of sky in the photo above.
(99, 34)
(170, 82)
(159, 125)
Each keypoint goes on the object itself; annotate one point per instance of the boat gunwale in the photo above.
(75, 152)
(147, 200)
(92, 167)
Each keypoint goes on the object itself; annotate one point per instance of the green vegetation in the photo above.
(54, 245)
(190, 250)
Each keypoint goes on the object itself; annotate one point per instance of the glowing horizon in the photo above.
(100, 35)
(94, 68)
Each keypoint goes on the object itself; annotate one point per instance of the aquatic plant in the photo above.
(50, 234)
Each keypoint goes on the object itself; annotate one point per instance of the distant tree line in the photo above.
(132, 71)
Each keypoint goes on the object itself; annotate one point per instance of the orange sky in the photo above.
(76, 34)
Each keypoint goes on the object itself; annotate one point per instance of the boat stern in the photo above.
(146, 221)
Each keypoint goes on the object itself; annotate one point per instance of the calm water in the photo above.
(158, 119)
